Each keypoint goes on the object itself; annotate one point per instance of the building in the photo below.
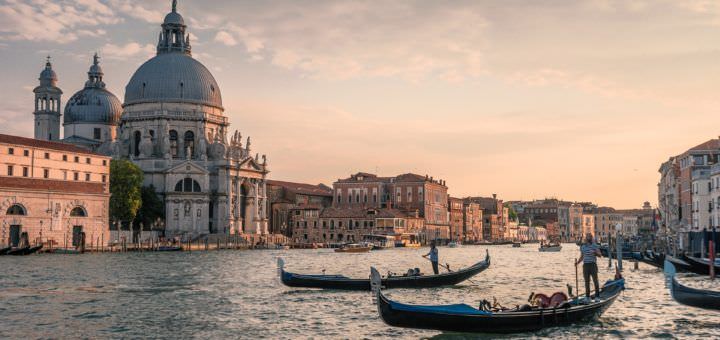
(457, 229)
(284, 197)
(606, 219)
(493, 213)
(472, 222)
(171, 124)
(588, 224)
(702, 206)
(54, 192)
(408, 193)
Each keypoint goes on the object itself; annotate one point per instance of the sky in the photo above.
(579, 100)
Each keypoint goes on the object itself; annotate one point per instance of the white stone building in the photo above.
(171, 124)
(702, 207)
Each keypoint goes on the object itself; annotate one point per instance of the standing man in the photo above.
(589, 252)
(433, 257)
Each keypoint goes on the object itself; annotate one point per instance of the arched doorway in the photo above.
(15, 229)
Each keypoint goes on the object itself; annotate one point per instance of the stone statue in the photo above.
(188, 152)
(166, 140)
(146, 145)
(202, 145)
(264, 158)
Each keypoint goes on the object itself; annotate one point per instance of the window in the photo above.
(104, 162)
(77, 159)
(26, 153)
(173, 143)
(96, 133)
(16, 209)
(65, 175)
(136, 144)
(187, 185)
(11, 151)
(104, 178)
(25, 171)
(76, 176)
(87, 177)
(87, 160)
(65, 158)
(46, 173)
(47, 155)
(78, 212)
(10, 170)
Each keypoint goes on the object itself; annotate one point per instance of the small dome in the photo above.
(174, 18)
(93, 105)
(48, 77)
(173, 77)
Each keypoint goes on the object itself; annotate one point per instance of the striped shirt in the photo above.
(433, 254)
(588, 252)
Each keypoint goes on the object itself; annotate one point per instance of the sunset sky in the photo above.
(580, 100)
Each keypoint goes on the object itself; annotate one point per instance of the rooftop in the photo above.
(303, 188)
(52, 185)
(43, 144)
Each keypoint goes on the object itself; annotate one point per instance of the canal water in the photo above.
(236, 294)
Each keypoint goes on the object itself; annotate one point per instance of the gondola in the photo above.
(700, 298)
(398, 281)
(627, 253)
(655, 260)
(700, 266)
(550, 247)
(465, 318)
(24, 250)
(4, 251)
(169, 248)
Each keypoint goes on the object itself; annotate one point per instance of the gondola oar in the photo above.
(577, 286)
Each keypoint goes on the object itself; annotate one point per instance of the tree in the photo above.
(125, 183)
(151, 208)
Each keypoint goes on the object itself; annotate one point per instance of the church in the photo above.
(171, 124)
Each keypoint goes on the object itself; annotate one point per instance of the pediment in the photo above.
(187, 167)
(250, 164)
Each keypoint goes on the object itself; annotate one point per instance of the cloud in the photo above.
(225, 38)
(60, 22)
(122, 52)
(138, 10)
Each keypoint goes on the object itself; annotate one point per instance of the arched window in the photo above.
(187, 185)
(189, 143)
(16, 209)
(173, 143)
(136, 146)
(78, 212)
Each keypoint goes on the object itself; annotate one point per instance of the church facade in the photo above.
(172, 125)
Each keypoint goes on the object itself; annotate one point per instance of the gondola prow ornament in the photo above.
(375, 283)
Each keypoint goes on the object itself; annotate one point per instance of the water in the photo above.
(236, 294)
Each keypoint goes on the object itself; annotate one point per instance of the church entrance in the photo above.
(76, 235)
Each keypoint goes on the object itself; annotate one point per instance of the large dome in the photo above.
(93, 105)
(173, 77)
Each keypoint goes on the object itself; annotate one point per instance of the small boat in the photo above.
(354, 248)
(516, 244)
(465, 318)
(392, 281)
(678, 264)
(4, 251)
(550, 247)
(24, 250)
(453, 244)
(650, 258)
(699, 298)
(68, 251)
(169, 248)
(701, 266)
(627, 252)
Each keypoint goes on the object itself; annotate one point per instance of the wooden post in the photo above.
(711, 258)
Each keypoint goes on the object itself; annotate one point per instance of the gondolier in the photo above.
(433, 257)
(588, 257)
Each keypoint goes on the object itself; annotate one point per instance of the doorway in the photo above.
(76, 236)
(15, 235)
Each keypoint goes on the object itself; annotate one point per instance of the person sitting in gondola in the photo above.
(433, 257)
(589, 252)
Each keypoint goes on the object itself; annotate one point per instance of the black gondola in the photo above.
(400, 281)
(693, 297)
(169, 248)
(655, 260)
(679, 264)
(4, 251)
(464, 318)
(700, 266)
(24, 250)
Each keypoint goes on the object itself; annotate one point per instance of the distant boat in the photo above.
(169, 248)
(550, 247)
(4, 251)
(354, 248)
(24, 251)
(453, 244)
(516, 244)
(700, 265)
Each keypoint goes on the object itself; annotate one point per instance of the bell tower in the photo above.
(47, 105)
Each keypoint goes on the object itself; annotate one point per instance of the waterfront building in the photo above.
(172, 124)
(472, 221)
(605, 220)
(523, 233)
(669, 198)
(538, 234)
(715, 195)
(408, 193)
(588, 224)
(286, 197)
(702, 207)
(493, 214)
(455, 207)
(52, 191)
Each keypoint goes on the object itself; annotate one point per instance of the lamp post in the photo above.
(618, 245)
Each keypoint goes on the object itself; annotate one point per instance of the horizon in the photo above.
(496, 98)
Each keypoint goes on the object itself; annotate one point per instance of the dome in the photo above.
(93, 105)
(48, 77)
(174, 18)
(173, 77)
